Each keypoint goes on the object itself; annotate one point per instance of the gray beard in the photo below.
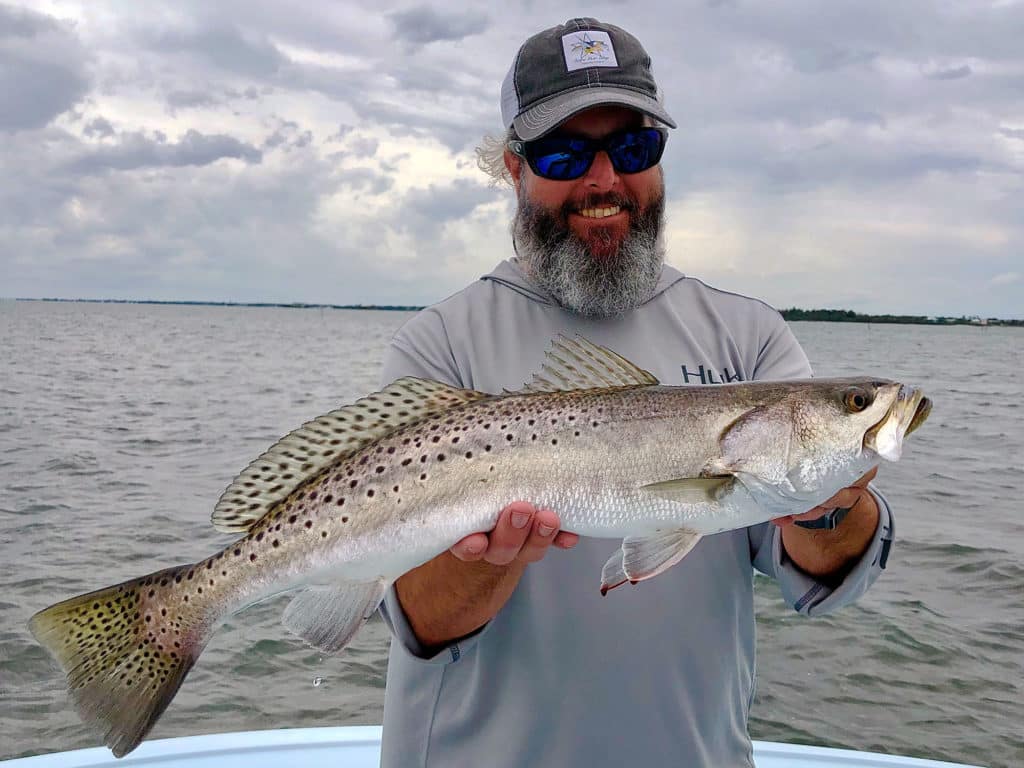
(560, 263)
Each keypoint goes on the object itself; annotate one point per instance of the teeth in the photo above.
(599, 213)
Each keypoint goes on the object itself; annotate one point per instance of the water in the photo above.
(121, 424)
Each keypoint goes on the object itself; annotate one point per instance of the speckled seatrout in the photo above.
(344, 505)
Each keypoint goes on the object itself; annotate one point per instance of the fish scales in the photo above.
(349, 502)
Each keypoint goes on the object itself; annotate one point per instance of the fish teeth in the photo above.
(599, 213)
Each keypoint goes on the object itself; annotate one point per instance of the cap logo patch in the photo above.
(590, 48)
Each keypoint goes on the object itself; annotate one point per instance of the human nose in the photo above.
(602, 174)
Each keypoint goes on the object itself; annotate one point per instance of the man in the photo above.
(504, 652)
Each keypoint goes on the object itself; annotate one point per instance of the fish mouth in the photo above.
(909, 410)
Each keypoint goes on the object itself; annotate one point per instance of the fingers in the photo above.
(522, 533)
(471, 548)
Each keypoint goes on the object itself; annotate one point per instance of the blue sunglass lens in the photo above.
(563, 165)
(563, 158)
(636, 151)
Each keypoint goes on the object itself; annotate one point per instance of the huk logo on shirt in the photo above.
(706, 374)
(588, 49)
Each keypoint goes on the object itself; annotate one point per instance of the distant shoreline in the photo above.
(793, 314)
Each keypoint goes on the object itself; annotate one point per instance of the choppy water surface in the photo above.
(121, 424)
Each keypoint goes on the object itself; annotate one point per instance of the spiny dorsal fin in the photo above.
(304, 452)
(580, 364)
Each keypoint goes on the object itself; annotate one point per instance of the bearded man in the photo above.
(501, 655)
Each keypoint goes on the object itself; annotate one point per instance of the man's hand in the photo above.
(847, 497)
(463, 588)
(829, 554)
(522, 533)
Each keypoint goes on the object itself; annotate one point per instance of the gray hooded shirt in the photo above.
(653, 675)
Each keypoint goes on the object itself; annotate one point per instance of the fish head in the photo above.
(819, 436)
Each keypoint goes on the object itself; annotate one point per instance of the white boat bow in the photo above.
(359, 747)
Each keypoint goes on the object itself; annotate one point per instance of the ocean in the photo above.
(120, 425)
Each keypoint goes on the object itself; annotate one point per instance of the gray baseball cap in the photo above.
(581, 64)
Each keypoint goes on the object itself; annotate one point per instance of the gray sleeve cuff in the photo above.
(405, 638)
(814, 598)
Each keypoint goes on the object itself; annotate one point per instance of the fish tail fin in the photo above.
(126, 650)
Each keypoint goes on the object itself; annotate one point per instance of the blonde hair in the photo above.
(490, 157)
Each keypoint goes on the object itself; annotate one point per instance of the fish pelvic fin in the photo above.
(125, 651)
(329, 617)
(572, 364)
(641, 558)
(300, 456)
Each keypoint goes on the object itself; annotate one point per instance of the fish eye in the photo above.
(856, 400)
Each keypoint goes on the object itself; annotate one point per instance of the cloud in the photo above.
(186, 98)
(99, 127)
(137, 150)
(249, 150)
(423, 24)
(43, 69)
(952, 73)
(225, 46)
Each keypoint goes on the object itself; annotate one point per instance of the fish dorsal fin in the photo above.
(304, 452)
(580, 364)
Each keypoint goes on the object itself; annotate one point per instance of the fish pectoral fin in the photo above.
(692, 490)
(644, 558)
(329, 617)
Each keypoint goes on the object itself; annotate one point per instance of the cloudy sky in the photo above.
(863, 154)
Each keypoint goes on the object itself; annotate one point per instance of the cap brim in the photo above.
(548, 115)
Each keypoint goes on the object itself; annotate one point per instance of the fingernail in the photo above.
(520, 519)
(473, 549)
(545, 530)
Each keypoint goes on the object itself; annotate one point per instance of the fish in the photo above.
(341, 507)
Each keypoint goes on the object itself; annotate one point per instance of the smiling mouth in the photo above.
(599, 213)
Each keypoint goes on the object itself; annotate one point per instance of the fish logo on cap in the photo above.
(592, 48)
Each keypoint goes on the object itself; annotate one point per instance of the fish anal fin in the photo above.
(646, 557)
(329, 617)
(308, 450)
